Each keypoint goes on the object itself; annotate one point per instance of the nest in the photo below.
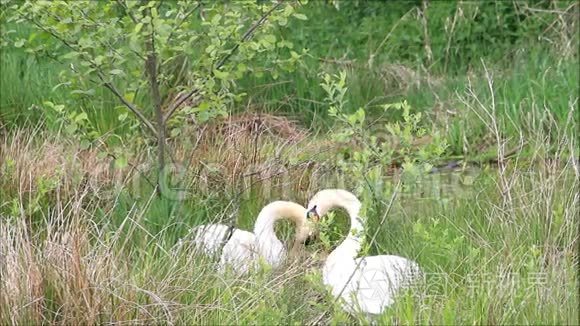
(254, 124)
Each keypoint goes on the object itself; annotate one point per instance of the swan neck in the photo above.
(268, 244)
(328, 199)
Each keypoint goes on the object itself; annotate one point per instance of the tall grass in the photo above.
(503, 250)
(385, 49)
(85, 241)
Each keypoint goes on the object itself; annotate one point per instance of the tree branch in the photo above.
(151, 66)
(129, 105)
(107, 44)
(127, 11)
(183, 21)
(178, 103)
(248, 34)
(107, 84)
(244, 38)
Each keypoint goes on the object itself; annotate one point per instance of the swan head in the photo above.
(308, 230)
(327, 199)
(312, 215)
(312, 230)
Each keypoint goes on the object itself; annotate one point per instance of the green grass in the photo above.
(534, 73)
(86, 242)
(112, 255)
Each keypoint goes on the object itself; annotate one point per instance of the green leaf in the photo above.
(129, 96)
(242, 67)
(283, 21)
(116, 72)
(270, 38)
(203, 106)
(71, 128)
(102, 155)
(85, 144)
(221, 74)
(300, 16)
(99, 59)
(210, 48)
(19, 43)
(288, 10)
(121, 162)
(286, 44)
(81, 117)
(138, 27)
(70, 55)
(175, 132)
(216, 19)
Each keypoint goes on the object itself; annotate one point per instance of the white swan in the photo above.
(242, 249)
(367, 284)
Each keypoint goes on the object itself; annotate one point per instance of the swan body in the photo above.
(242, 249)
(211, 237)
(367, 284)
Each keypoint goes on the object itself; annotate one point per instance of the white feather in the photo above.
(243, 250)
(367, 284)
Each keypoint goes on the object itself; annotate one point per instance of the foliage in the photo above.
(96, 258)
(384, 85)
(448, 37)
(184, 51)
(378, 144)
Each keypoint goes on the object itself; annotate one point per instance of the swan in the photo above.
(366, 284)
(242, 249)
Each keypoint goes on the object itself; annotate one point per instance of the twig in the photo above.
(247, 35)
(129, 105)
(129, 13)
(178, 103)
(244, 38)
(183, 20)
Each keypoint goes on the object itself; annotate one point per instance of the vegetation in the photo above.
(124, 124)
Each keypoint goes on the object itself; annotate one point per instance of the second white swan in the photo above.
(367, 284)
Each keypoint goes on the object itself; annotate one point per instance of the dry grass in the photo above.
(32, 159)
(80, 273)
(67, 262)
(242, 151)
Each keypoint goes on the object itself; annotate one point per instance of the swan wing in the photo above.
(211, 237)
(239, 252)
(380, 278)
